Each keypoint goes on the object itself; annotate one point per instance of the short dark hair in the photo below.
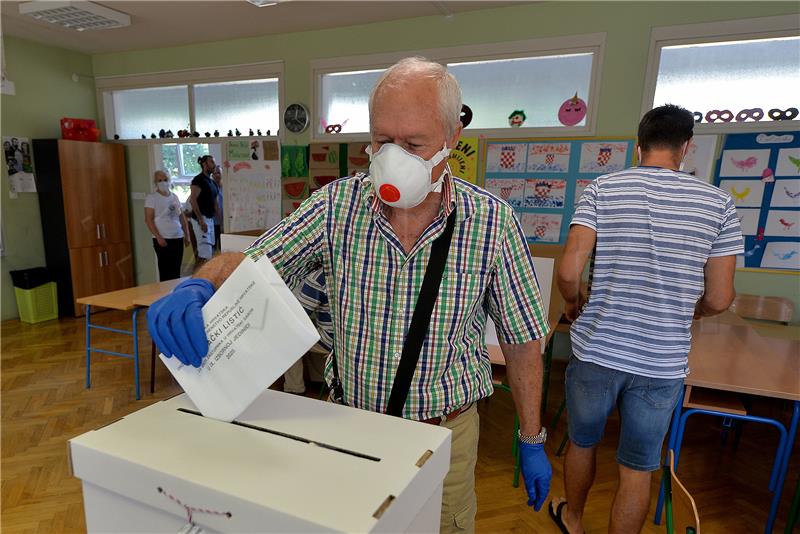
(202, 159)
(665, 127)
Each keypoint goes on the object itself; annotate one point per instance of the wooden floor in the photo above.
(44, 403)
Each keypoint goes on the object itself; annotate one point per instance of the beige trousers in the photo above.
(459, 503)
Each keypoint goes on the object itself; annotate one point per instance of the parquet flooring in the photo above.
(44, 403)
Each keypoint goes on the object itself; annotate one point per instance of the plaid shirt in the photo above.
(372, 284)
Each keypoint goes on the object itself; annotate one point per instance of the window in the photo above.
(537, 85)
(718, 67)
(146, 111)
(225, 98)
(246, 105)
(536, 76)
(179, 160)
(345, 98)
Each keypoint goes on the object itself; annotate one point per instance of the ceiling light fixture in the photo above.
(78, 16)
(263, 3)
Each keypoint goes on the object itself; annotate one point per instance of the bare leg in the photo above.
(631, 501)
(579, 470)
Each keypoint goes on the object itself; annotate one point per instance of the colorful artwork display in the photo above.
(700, 157)
(762, 174)
(543, 179)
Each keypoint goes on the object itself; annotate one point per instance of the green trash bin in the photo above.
(37, 299)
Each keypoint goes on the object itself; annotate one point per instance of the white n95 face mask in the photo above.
(403, 180)
(163, 187)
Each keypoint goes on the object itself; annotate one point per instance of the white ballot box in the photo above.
(287, 464)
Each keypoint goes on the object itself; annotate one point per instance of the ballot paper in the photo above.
(256, 330)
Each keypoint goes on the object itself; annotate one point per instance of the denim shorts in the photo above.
(645, 408)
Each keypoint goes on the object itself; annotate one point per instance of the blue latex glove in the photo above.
(175, 322)
(537, 473)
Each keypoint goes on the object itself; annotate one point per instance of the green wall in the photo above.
(627, 25)
(45, 93)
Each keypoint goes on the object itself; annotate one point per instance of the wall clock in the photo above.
(295, 118)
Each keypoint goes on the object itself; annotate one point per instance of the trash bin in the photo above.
(35, 290)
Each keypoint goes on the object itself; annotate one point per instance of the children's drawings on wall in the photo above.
(783, 223)
(788, 162)
(745, 193)
(744, 162)
(782, 255)
(602, 158)
(506, 157)
(580, 187)
(748, 220)
(543, 179)
(544, 193)
(700, 157)
(786, 194)
(510, 190)
(542, 227)
(548, 157)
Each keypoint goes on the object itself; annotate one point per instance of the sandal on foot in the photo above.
(555, 515)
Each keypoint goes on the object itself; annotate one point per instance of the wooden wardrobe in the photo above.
(83, 203)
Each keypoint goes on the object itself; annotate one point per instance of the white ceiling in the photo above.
(156, 24)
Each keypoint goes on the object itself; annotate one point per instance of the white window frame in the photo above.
(189, 77)
(574, 44)
(734, 30)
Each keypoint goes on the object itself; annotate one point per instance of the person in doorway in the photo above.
(373, 236)
(216, 176)
(165, 220)
(665, 247)
(203, 200)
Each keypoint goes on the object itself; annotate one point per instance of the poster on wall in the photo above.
(700, 154)
(19, 164)
(544, 190)
(602, 158)
(463, 159)
(252, 188)
(548, 157)
(760, 171)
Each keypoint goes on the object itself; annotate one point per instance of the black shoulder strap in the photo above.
(420, 320)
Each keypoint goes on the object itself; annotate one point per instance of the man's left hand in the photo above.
(537, 473)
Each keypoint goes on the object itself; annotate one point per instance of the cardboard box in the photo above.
(288, 464)
(324, 156)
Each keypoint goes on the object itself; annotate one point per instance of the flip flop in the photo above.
(555, 515)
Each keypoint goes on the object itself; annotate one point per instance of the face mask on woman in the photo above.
(163, 187)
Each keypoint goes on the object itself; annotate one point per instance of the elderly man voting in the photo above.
(415, 260)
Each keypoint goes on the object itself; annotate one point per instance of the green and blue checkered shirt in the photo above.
(372, 286)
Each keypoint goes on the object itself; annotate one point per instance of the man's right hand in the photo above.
(175, 322)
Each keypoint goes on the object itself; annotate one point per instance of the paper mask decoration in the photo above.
(572, 111)
(781, 115)
(756, 114)
(466, 115)
(516, 118)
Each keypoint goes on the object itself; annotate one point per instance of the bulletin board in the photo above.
(762, 174)
(543, 179)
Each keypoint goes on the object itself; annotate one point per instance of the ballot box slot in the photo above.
(293, 437)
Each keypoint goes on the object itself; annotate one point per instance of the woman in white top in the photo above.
(164, 218)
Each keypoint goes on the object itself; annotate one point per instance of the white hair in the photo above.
(449, 90)
(161, 171)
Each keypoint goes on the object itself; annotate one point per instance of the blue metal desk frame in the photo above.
(779, 468)
(133, 332)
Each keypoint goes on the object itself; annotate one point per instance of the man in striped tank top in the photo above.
(665, 246)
